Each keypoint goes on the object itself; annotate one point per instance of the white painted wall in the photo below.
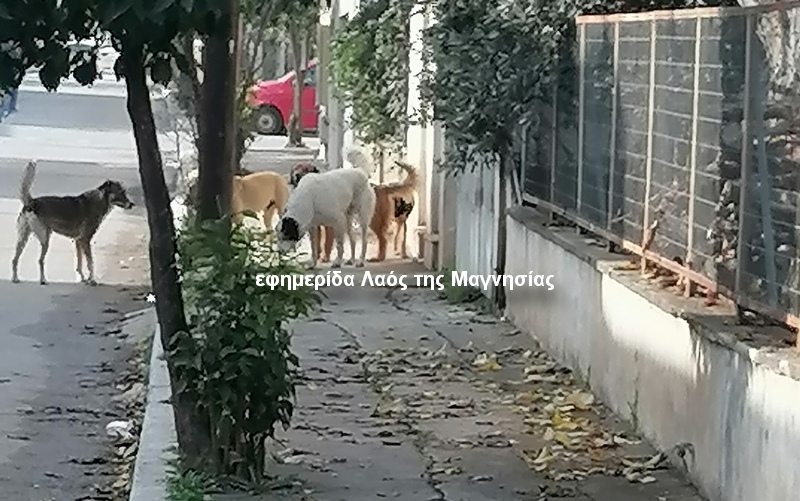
(682, 382)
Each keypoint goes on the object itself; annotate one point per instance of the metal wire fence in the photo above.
(675, 133)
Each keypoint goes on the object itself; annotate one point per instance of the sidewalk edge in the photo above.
(158, 432)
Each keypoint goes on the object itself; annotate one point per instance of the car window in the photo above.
(311, 76)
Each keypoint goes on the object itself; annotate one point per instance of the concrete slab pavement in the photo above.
(393, 405)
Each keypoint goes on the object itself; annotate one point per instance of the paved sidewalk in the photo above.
(407, 397)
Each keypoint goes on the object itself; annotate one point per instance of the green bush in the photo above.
(236, 361)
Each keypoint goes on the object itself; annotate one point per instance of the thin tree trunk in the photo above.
(192, 433)
(499, 292)
(217, 104)
(295, 121)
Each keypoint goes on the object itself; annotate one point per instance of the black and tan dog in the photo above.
(77, 217)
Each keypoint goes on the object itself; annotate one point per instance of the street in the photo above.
(62, 345)
(62, 351)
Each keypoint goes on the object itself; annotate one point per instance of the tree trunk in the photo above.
(295, 128)
(217, 118)
(192, 433)
(499, 292)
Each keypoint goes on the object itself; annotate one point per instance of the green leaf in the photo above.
(114, 9)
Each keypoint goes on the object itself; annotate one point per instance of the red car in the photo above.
(273, 102)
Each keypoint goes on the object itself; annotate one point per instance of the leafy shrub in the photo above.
(236, 361)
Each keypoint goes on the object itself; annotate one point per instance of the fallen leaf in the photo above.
(562, 423)
(581, 400)
(624, 441)
(536, 378)
(482, 478)
(484, 362)
(562, 438)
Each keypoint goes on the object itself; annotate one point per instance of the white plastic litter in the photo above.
(119, 429)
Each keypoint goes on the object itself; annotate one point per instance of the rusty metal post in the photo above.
(646, 230)
(613, 141)
(581, 105)
(689, 285)
(745, 158)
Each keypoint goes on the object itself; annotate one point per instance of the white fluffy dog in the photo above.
(332, 199)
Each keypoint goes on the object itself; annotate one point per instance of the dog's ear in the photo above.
(289, 229)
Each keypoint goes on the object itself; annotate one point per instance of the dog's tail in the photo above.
(27, 182)
(412, 175)
(360, 160)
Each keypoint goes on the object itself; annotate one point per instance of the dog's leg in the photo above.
(87, 251)
(340, 230)
(314, 236)
(42, 233)
(23, 234)
(329, 238)
(382, 244)
(364, 232)
(397, 226)
(351, 234)
(79, 260)
(404, 229)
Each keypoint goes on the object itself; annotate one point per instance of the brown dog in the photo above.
(264, 192)
(394, 203)
(77, 217)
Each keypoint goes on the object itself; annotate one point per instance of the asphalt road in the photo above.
(60, 353)
(60, 356)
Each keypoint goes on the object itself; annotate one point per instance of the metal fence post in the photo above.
(745, 158)
(554, 140)
(689, 285)
(647, 236)
(613, 141)
(581, 105)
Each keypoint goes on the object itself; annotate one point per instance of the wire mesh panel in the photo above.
(672, 134)
(633, 84)
(537, 138)
(721, 90)
(565, 178)
(769, 256)
(598, 86)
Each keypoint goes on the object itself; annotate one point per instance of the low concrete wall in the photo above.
(682, 373)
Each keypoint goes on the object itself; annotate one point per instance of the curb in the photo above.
(158, 435)
(158, 432)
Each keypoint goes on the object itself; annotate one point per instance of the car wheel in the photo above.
(269, 121)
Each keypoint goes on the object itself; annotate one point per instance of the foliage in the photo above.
(369, 67)
(488, 63)
(236, 363)
(186, 485)
(38, 34)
